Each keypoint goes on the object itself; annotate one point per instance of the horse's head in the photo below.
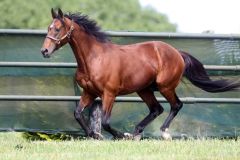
(59, 33)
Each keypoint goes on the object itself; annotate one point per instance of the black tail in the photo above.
(195, 72)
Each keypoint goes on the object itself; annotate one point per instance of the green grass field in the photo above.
(14, 147)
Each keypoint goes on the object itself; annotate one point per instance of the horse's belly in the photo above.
(137, 82)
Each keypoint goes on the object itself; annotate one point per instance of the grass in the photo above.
(14, 147)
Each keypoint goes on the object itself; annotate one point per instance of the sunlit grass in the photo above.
(14, 147)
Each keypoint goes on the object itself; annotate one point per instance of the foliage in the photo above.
(111, 15)
(36, 136)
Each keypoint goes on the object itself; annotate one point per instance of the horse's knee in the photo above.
(77, 113)
(95, 111)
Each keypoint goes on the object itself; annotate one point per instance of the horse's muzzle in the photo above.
(45, 53)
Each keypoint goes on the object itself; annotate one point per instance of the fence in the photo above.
(19, 69)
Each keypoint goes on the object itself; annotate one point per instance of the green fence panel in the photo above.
(193, 120)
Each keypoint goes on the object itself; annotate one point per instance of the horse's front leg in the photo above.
(86, 100)
(107, 102)
(95, 117)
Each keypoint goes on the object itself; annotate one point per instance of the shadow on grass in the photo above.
(41, 136)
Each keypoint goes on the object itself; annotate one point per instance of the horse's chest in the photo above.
(85, 82)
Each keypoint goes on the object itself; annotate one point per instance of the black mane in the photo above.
(90, 26)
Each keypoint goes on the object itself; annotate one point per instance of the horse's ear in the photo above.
(54, 15)
(60, 13)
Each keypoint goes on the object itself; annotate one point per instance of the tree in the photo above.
(111, 15)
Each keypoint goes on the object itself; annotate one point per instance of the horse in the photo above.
(106, 70)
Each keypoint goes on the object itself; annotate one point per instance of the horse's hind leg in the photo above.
(155, 109)
(176, 105)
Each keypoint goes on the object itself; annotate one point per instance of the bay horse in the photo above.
(107, 70)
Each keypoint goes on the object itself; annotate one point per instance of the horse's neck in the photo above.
(82, 44)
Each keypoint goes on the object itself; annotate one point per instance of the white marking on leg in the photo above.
(166, 135)
(128, 136)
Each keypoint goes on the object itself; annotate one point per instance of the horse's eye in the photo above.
(57, 30)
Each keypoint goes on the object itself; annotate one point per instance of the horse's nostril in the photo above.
(44, 50)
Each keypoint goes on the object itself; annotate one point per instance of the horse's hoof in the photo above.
(97, 136)
(127, 136)
(137, 137)
(166, 135)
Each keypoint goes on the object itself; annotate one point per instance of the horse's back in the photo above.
(168, 62)
(161, 55)
(143, 64)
